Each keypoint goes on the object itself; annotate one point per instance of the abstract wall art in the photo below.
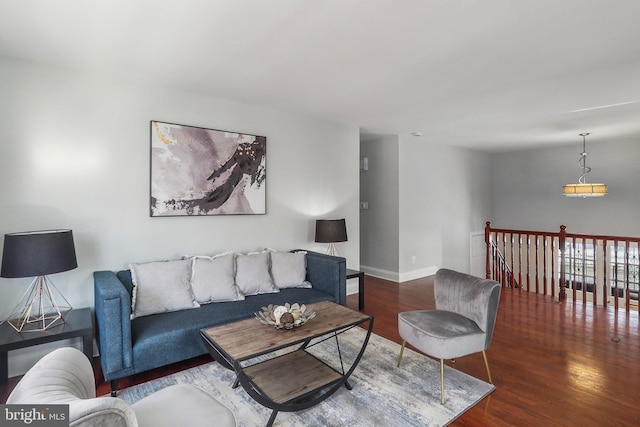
(198, 171)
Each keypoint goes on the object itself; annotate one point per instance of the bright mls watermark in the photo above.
(34, 415)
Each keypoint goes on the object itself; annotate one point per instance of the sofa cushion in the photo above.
(161, 287)
(289, 269)
(213, 279)
(252, 274)
(166, 338)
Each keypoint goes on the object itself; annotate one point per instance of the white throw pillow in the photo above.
(161, 286)
(252, 274)
(289, 269)
(213, 279)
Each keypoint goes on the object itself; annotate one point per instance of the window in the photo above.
(623, 268)
(624, 271)
(579, 266)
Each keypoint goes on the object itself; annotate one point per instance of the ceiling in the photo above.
(494, 75)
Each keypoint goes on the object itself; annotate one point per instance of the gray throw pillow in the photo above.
(213, 279)
(252, 274)
(289, 269)
(161, 286)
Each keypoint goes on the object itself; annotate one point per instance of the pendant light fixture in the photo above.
(582, 189)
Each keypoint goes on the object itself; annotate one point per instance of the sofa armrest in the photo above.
(328, 274)
(113, 323)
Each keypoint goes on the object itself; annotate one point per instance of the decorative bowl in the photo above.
(295, 315)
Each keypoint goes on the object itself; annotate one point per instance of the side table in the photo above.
(353, 274)
(78, 323)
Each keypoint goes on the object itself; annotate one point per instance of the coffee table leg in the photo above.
(236, 383)
(272, 418)
(348, 386)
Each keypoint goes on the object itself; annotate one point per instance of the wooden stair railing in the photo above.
(597, 269)
(501, 271)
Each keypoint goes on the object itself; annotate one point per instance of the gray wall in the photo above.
(446, 194)
(74, 153)
(527, 189)
(443, 195)
(379, 238)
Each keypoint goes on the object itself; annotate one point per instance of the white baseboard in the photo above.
(380, 273)
(394, 276)
(418, 274)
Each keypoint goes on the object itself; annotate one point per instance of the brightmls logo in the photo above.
(34, 415)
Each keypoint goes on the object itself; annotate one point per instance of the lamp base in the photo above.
(37, 309)
(331, 250)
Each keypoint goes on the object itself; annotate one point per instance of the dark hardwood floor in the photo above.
(552, 364)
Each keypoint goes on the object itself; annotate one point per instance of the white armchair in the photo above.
(65, 376)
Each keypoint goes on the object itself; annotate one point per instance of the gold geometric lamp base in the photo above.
(37, 309)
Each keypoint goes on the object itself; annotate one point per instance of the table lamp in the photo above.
(331, 231)
(38, 253)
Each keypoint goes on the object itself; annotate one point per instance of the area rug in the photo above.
(382, 394)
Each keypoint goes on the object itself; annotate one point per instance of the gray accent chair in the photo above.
(461, 324)
(65, 376)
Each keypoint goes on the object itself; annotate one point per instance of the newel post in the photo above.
(487, 242)
(562, 236)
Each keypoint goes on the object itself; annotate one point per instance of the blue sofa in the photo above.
(128, 346)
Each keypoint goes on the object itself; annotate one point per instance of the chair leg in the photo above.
(486, 363)
(401, 352)
(442, 381)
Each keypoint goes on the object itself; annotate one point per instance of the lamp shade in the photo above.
(585, 190)
(331, 230)
(38, 253)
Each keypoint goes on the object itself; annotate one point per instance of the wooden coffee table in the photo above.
(296, 380)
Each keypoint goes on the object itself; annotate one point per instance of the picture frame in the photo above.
(197, 171)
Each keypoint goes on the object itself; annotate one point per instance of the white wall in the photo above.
(379, 224)
(527, 189)
(445, 195)
(74, 153)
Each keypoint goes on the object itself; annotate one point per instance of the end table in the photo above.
(353, 274)
(78, 323)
